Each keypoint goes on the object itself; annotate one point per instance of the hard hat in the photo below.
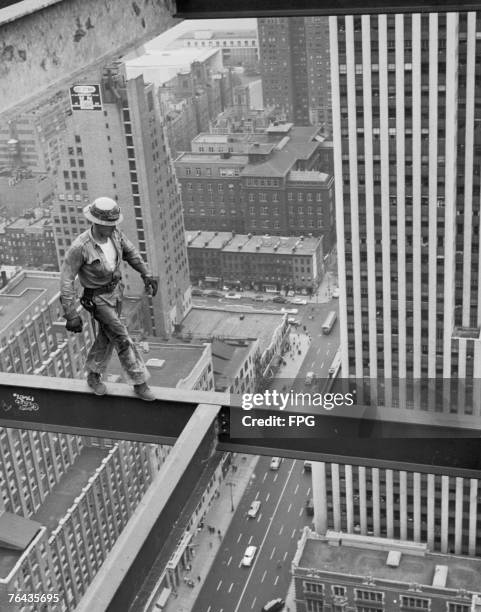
(103, 211)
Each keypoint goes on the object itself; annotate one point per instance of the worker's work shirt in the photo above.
(86, 259)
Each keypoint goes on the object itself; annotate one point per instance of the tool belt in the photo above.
(89, 293)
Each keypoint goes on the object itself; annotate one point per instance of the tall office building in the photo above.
(294, 62)
(121, 152)
(406, 100)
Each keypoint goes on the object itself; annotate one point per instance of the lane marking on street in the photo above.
(264, 576)
(312, 364)
(259, 517)
(239, 538)
(309, 491)
(296, 489)
(250, 540)
(318, 351)
(276, 580)
(273, 552)
(275, 477)
(322, 364)
(289, 509)
(229, 562)
(281, 529)
(218, 586)
(285, 554)
(292, 536)
(265, 476)
(209, 609)
(254, 602)
(257, 495)
(267, 498)
(230, 588)
(301, 511)
(265, 537)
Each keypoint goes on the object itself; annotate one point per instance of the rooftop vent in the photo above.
(440, 576)
(249, 236)
(155, 363)
(393, 558)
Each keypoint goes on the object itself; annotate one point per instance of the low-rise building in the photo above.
(32, 333)
(235, 365)
(29, 242)
(240, 47)
(345, 572)
(256, 262)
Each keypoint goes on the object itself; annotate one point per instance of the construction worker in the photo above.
(95, 257)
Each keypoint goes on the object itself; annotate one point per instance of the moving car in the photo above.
(217, 294)
(293, 321)
(300, 301)
(307, 466)
(249, 555)
(275, 463)
(309, 378)
(254, 509)
(259, 298)
(279, 299)
(275, 605)
(232, 296)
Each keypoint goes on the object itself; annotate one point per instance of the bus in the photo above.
(335, 365)
(329, 322)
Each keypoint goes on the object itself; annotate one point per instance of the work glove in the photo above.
(75, 325)
(151, 285)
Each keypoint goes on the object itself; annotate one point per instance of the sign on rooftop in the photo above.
(85, 97)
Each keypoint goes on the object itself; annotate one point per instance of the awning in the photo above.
(212, 279)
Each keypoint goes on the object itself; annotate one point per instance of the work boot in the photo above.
(144, 392)
(94, 382)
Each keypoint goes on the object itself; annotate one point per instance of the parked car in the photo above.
(196, 291)
(307, 466)
(275, 463)
(249, 555)
(233, 296)
(309, 507)
(293, 321)
(335, 292)
(279, 299)
(300, 301)
(259, 298)
(216, 294)
(254, 509)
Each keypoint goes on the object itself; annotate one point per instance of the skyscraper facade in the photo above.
(406, 98)
(294, 64)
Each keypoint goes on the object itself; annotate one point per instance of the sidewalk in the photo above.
(207, 544)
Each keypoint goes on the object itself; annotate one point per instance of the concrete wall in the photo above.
(53, 44)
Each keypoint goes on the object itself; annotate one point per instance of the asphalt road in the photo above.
(275, 531)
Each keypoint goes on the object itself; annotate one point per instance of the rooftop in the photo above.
(225, 323)
(168, 364)
(216, 34)
(363, 556)
(212, 158)
(178, 58)
(300, 144)
(69, 487)
(210, 240)
(27, 293)
(312, 176)
(227, 358)
(273, 244)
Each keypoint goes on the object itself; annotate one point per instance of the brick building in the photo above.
(29, 242)
(255, 262)
(343, 573)
(259, 183)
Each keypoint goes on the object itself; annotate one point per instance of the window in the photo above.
(338, 590)
(415, 603)
(188, 172)
(457, 607)
(368, 595)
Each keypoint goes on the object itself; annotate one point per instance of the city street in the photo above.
(229, 586)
